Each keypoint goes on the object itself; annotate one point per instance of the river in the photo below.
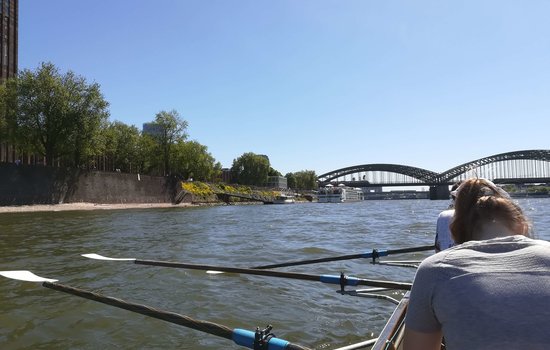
(308, 313)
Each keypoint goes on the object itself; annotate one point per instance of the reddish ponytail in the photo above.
(479, 201)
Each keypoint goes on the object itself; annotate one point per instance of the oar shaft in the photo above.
(411, 250)
(292, 275)
(348, 257)
(350, 281)
(312, 261)
(239, 336)
(354, 281)
(204, 326)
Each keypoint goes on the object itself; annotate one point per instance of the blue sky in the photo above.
(313, 84)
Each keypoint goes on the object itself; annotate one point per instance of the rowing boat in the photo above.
(391, 337)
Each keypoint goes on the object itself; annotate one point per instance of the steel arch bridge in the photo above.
(529, 166)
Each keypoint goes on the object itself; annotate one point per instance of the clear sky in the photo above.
(314, 84)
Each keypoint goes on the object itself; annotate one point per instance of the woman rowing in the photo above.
(489, 292)
(443, 239)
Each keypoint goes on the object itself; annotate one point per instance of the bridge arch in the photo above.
(520, 166)
(454, 173)
(420, 174)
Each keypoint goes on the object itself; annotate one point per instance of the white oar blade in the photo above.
(212, 272)
(101, 257)
(23, 275)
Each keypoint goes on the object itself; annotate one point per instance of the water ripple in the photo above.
(307, 313)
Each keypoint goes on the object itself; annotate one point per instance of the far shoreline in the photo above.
(89, 206)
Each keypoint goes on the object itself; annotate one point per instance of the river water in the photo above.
(308, 313)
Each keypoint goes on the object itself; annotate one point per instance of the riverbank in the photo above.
(88, 206)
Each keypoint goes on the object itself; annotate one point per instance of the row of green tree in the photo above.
(65, 120)
(254, 169)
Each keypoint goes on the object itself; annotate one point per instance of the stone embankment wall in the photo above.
(27, 185)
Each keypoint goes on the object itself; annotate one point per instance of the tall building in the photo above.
(8, 59)
(152, 129)
(8, 32)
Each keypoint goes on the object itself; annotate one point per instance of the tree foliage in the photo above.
(191, 160)
(65, 119)
(3, 113)
(55, 115)
(121, 143)
(302, 180)
(251, 169)
(273, 172)
(148, 158)
(171, 130)
(291, 180)
(8, 104)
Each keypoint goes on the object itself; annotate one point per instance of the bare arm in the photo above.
(422, 341)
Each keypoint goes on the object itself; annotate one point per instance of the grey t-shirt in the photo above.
(492, 294)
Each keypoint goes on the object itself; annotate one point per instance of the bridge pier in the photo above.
(439, 192)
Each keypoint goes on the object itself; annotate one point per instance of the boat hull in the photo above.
(391, 336)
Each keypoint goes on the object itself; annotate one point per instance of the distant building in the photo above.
(279, 182)
(227, 175)
(152, 129)
(9, 10)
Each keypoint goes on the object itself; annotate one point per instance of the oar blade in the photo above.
(101, 257)
(26, 276)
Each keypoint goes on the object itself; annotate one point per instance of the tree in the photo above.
(273, 172)
(55, 115)
(251, 169)
(148, 159)
(190, 159)
(290, 180)
(171, 129)
(8, 102)
(122, 146)
(3, 113)
(305, 180)
(88, 111)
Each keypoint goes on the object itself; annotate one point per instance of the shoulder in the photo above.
(514, 242)
(445, 264)
(446, 214)
(433, 261)
(431, 269)
(497, 253)
(528, 246)
(438, 267)
(421, 315)
(532, 241)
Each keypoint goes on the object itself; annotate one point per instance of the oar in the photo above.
(239, 336)
(341, 280)
(374, 254)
